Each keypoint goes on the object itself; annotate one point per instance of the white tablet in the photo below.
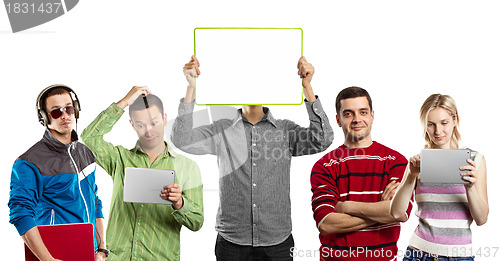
(143, 185)
(443, 165)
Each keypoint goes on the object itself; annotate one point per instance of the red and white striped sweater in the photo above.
(360, 175)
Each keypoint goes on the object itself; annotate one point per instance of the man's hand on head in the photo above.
(132, 95)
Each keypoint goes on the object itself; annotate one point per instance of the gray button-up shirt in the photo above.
(254, 168)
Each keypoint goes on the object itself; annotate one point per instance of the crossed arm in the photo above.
(351, 216)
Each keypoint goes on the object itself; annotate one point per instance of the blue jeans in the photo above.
(417, 255)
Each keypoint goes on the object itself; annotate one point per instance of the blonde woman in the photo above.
(445, 211)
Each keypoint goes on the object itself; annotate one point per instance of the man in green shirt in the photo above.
(145, 231)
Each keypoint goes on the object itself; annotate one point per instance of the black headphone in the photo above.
(42, 114)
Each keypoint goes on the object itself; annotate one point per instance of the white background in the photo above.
(400, 51)
(244, 83)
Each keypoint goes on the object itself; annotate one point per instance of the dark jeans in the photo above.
(227, 251)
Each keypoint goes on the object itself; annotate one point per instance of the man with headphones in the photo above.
(53, 182)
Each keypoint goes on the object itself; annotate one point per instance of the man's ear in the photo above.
(165, 119)
(131, 123)
(338, 120)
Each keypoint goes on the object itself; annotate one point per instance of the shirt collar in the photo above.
(268, 116)
(55, 144)
(168, 150)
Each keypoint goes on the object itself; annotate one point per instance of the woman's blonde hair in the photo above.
(447, 103)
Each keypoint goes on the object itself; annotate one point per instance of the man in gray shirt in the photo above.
(254, 153)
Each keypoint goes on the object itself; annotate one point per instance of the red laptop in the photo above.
(70, 242)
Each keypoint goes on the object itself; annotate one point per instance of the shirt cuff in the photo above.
(99, 214)
(315, 111)
(323, 219)
(314, 107)
(184, 210)
(305, 100)
(321, 212)
(185, 108)
(25, 224)
(115, 109)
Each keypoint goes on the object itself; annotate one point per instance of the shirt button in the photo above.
(254, 205)
(138, 223)
(254, 144)
(255, 185)
(142, 205)
(254, 164)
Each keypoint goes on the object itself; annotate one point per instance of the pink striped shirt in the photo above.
(444, 218)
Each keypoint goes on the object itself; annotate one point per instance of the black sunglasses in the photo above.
(56, 113)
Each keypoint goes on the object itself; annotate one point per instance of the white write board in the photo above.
(248, 66)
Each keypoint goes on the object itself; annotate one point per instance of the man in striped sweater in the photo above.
(352, 187)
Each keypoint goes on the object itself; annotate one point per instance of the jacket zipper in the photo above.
(78, 179)
(52, 217)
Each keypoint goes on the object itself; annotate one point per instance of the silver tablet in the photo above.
(443, 165)
(145, 185)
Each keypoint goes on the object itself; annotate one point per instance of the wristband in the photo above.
(105, 251)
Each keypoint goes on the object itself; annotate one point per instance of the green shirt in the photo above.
(144, 231)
